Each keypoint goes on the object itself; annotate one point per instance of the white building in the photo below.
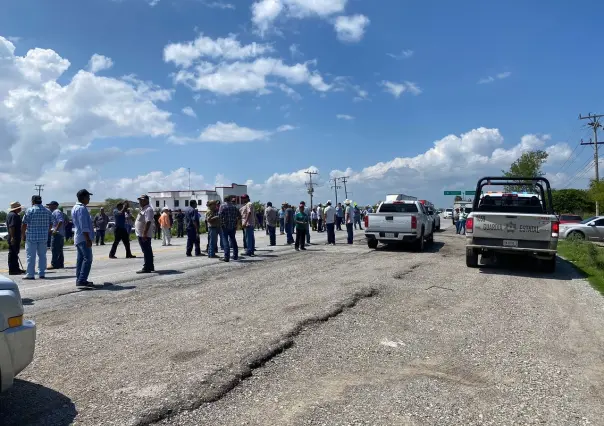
(180, 199)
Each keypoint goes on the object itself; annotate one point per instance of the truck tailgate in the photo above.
(514, 226)
(399, 222)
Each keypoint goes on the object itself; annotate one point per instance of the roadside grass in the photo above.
(588, 258)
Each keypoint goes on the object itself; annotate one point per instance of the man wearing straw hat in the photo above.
(13, 223)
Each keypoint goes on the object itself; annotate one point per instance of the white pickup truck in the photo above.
(519, 223)
(402, 220)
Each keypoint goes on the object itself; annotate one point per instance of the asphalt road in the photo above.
(336, 335)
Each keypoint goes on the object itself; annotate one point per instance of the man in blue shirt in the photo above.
(36, 226)
(192, 228)
(121, 231)
(84, 234)
(339, 216)
(58, 236)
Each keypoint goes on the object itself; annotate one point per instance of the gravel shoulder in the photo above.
(439, 344)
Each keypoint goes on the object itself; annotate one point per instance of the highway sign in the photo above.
(470, 192)
(452, 192)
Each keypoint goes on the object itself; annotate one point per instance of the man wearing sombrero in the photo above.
(13, 223)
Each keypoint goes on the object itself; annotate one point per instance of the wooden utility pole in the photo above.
(311, 186)
(594, 123)
(344, 179)
(39, 188)
(335, 186)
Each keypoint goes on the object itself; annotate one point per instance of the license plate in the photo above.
(389, 235)
(510, 243)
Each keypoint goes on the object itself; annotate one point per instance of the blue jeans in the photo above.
(282, 225)
(56, 244)
(212, 241)
(83, 262)
(462, 227)
(331, 235)
(272, 231)
(289, 231)
(250, 239)
(33, 248)
(230, 242)
(350, 232)
(147, 254)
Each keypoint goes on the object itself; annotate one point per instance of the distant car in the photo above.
(448, 213)
(569, 218)
(17, 336)
(591, 229)
(3, 232)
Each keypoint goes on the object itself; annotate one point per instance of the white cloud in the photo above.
(294, 51)
(405, 54)
(289, 91)
(218, 5)
(99, 63)
(344, 117)
(84, 160)
(397, 89)
(351, 28)
(264, 13)
(14, 39)
(229, 48)
(231, 133)
(362, 95)
(491, 79)
(189, 111)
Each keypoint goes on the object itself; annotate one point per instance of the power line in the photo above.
(335, 186)
(594, 123)
(311, 185)
(344, 179)
(580, 171)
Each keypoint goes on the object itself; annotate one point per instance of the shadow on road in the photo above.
(527, 267)
(169, 272)
(435, 247)
(114, 287)
(27, 301)
(30, 403)
(58, 277)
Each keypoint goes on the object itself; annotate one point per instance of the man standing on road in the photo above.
(101, 220)
(145, 227)
(13, 223)
(213, 220)
(302, 226)
(166, 228)
(192, 227)
(357, 217)
(456, 221)
(248, 222)
(229, 218)
(220, 237)
(349, 218)
(463, 216)
(307, 233)
(121, 230)
(83, 236)
(282, 219)
(330, 218)
(36, 226)
(339, 216)
(320, 218)
(180, 223)
(289, 223)
(58, 236)
(272, 217)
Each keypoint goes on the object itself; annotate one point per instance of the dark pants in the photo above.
(193, 240)
(300, 238)
(230, 241)
(288, 231)
(158, 235)
(272, 234)
(121, 234)
(339, 223)
(100, 236)
(56, 244)
(180, 232)
(320, 225)
(13, 257)
(350, 232)
(282, 225)
(49, 241)
(250, 240)
(244, 239)
(147, 254)
(331, 235)
(212, 241)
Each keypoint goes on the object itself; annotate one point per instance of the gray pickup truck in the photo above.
(17, 336)
(403, 220)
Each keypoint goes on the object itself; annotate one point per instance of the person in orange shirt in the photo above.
(166, 229)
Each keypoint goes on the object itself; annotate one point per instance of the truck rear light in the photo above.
(555, 229)
(470, 224)
(366, 221)
(413, 222)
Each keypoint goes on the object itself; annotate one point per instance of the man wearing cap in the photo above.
(248, 221)
(121, 233)
(282, 219)
(330, 223)
(213, 221)
(101, 220)
(13, 223)
(58, 236)
(307, 232)
(83, 235)
(36, 226)
(349, 218)
(145, 227)
(302, 226)
(289, 223)
(320, 218)
(192, 228)
(357, 217)
(339, 216)
(272, 218)
(166, 228)
(229, 218)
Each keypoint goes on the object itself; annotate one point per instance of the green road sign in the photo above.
(452, 192)
(470, 192)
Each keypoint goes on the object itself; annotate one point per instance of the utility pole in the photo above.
(39, 188)
(594, 122)
(189, 177)
(335, 186)
(344, 179)
(311, 186)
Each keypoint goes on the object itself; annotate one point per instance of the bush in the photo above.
(587, 257)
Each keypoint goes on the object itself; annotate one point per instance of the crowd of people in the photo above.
(44, 227)
(459, 218)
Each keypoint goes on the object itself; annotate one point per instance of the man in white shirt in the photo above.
(145, 226)
(330, 223)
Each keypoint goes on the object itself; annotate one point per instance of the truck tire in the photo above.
(471, 258)
(430, 238)
(420, 243)
(372, 244)
(549, 266)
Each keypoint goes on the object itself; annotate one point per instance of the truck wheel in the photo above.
(430, 238)
(549, 265)
(372, 244)
(471, 258)
(420, 243)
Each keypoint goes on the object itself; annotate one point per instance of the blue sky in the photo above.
(519, 67)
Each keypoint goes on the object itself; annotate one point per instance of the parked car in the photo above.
(403, 220)
(519, 223)
(17, 336)
(433, 213)
(3, 232)
(569, 218)
(591, 229)
(448, 213)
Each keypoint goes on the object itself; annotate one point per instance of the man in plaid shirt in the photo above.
(37, 223)
(229, 218)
